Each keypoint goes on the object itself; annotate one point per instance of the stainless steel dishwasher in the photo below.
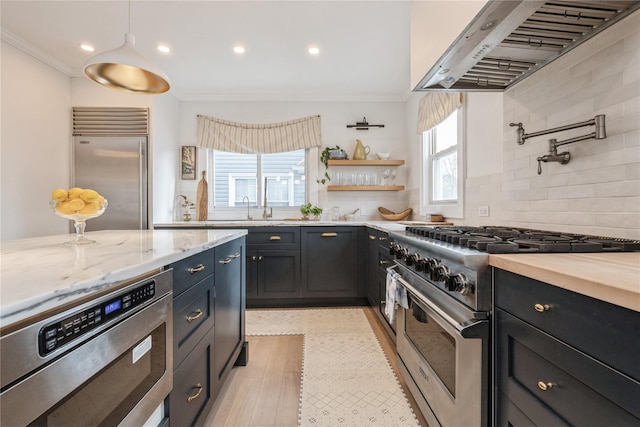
(103, 361)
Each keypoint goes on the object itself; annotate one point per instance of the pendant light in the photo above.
(126, 69)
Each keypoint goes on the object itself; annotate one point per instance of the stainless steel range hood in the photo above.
(509, 40)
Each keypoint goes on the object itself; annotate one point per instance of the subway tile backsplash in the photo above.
(598, 192)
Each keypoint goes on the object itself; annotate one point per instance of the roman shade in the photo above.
(437, 106)
(247, 138)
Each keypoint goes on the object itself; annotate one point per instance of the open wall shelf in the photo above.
(365, 187)
(366, 162)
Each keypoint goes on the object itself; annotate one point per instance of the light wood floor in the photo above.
(266, 392)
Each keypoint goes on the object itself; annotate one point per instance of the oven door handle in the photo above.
(471, 329)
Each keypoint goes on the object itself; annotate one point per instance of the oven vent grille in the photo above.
(107, 121)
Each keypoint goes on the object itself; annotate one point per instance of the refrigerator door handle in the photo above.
(142, 171)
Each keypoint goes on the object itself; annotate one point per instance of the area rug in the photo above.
(346, 377)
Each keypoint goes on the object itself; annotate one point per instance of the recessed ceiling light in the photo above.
(164, 48)
(314, 50)
(87, 47)
(238, 49)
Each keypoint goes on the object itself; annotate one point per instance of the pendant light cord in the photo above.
(129, 17)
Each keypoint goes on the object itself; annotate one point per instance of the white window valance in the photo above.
(437, 106)
(247, 138)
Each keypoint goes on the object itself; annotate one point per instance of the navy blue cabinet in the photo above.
(563, 358)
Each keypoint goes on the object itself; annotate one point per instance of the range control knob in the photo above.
(412, 259)
(441, 273)
(457, 283)
(401, 253)
(421, 265)
(430, 267)
(393, 247)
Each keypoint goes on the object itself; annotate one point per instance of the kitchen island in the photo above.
(39, 274)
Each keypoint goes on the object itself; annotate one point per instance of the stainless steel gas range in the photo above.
(443, 338)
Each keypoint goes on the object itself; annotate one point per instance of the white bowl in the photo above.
(383, 156)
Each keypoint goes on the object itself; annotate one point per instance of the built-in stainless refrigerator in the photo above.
(117, 168)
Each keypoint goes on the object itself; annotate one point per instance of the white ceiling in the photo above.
(364, 45)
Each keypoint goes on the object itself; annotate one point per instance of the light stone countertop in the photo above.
(611, 277)
(40, 273)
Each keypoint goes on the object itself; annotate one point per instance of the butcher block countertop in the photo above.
(611, 277)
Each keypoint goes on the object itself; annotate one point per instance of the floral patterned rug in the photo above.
(346, 377)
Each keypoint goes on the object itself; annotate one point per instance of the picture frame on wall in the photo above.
(188, 162)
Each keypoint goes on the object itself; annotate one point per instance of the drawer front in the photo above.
(189, 271)
(193, 317)
(602, 330)
(192, 395)
(536, 370)
(274, 237)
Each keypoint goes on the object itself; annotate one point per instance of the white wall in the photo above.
(483, 145)
(35, 145)
(334, 118)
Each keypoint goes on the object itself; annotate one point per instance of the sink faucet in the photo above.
(266, 215)
(249, 217)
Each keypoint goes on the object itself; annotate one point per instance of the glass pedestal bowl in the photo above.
(80, 222)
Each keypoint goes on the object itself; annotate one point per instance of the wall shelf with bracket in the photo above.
(366, 162)
(365, 187)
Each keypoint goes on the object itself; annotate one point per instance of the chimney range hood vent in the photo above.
(509, 40)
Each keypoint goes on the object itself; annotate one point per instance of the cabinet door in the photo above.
(373, 290)
(330, 262)
(192, 396)
(229, 308)
(554, 384)
(278, 274)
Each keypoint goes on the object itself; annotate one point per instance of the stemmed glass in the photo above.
(385, 176)
(393, 176)
(80, 222)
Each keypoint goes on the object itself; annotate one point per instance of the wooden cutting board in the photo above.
(202, 199)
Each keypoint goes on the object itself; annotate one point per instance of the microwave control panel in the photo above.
(59, 333)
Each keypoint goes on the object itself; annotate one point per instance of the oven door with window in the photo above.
(447, 361)
(116, 376)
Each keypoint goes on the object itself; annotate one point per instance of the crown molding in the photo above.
(31, 50)
(204, 97)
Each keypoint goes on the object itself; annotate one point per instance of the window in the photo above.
(443, 167)
(236, 176)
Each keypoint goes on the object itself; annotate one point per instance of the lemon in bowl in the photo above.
(79, 205)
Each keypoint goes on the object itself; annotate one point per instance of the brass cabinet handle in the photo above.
(198, 314)
(383, 262)
(198, 388)
(382, 238)
(195, 269)
(371, 237)
(253, 258)
(275, 238)
(329, 234)
(234, 256)
(260, 258)
(545, 386)
(225, 261)
(541, 308)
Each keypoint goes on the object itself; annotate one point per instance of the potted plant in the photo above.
(305, 210)
(328, 154)
(316, 212)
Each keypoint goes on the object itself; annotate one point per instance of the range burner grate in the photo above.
(505, 240)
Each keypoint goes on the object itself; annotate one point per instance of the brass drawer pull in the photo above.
(329, 234)
(384, 262)
(198, 315)
(225, 261)
(382, 238)
(234, 256)
(545, 386)
(275, 238)
(191, 398)
(541, 308)
(372, 237)
(195, 269)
